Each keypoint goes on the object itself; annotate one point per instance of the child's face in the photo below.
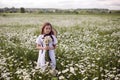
(47, 29)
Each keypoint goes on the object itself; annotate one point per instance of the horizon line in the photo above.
(57, 8)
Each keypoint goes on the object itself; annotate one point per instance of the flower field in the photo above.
(88, 46)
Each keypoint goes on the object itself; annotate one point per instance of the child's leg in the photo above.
(52, 57)
(41, 60)
(38, 61)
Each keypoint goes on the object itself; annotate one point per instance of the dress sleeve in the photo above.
(55, 40)
(38, 40)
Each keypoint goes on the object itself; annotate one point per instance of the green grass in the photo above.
(88, 46)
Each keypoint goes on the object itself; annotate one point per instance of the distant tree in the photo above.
(13, 10)
(1, 10)
(117, 11)
(6, 9)
(22, 10)
(76, 12)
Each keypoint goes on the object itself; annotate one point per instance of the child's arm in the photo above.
(39, 47)
(52, 48)
(54, 43)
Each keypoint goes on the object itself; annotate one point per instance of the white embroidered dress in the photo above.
(41, 57)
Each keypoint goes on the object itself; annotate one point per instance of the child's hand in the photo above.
(49, 48)
(46, 48)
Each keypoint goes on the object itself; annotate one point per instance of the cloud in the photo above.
(110, 4)
(116, 4)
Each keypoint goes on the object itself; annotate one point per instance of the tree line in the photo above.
(53, 10)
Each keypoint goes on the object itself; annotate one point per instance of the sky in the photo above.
(62, 4)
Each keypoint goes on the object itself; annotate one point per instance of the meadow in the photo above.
(88, 46)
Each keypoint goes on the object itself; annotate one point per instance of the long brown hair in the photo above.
(43, 27)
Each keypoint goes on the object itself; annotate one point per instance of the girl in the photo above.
(41, 46)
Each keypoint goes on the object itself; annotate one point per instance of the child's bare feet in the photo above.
(53, 72)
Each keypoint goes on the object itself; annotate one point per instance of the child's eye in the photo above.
(48, 28)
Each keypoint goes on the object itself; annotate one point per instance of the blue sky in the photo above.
(62, 4)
